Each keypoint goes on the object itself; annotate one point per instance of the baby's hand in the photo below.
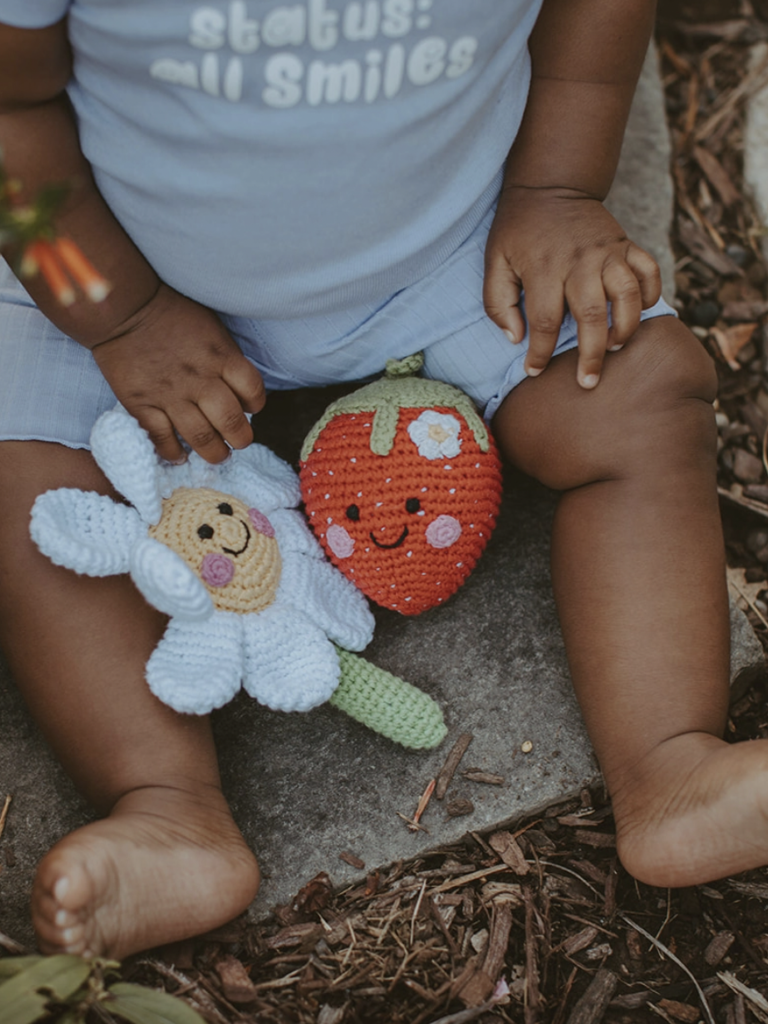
(177, 370)
(562, 247)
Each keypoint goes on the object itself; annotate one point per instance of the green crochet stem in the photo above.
(387, 704)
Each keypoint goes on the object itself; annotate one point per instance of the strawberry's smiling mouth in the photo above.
(388, 547)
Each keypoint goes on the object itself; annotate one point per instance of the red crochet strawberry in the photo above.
(402, 484)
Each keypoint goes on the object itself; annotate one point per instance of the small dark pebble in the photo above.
(705, 313)
(738, 254)
(756, 540)
(458, 807)
(755, 574)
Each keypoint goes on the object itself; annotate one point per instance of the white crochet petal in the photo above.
(167, 582)
(258, 477)
(124, 451)
(289, 664)
(328, 599)
(197, 667)
(85, 531)
(293, 534)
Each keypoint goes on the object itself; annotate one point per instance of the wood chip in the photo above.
(575, 943)
(236, 983)
(352, 860)
(487, 778)
(458, 807)
(446, 773)
(602, 839)
(680, 1011)
(717, 175)
(507, 847)
(698, 244)
(591, 1008)
(718, 947)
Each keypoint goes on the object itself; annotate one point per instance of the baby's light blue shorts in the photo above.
(51, 388)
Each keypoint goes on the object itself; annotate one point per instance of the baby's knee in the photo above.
(670, 365)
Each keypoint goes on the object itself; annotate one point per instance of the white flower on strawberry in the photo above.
(436, 435)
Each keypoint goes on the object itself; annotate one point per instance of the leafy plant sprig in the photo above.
(28, 231)
(64, 989)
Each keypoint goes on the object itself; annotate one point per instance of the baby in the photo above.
(287, 195)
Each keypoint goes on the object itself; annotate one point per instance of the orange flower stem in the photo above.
(82, 270)
(46, 258)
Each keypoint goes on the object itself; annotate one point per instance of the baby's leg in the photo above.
(638, 574)
(168, 862)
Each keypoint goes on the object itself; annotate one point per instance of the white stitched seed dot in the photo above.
(477, 465)
(353, 460)
(379, 504)
(422, 513)
(359, 494)
(314, 473)
(330, 519)
(409, 554)
(388, 480)
(452, 490)
(367, 551)
(327, 497)
(459, 565)
(447, 467)
(392, 586)
(424, 490)
(330, 472)
(409, 599)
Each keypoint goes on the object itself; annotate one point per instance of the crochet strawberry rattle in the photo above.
(402, 484)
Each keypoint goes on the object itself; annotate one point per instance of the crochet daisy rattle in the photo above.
(224, 552)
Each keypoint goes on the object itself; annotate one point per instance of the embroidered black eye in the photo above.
(353, 513)
(205, 532)
(226, 509)
(412, 505)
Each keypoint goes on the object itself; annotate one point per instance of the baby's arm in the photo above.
(169, 360)
(552, 237)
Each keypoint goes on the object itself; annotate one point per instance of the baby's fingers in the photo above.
(245, 380)
(646, 270)
(223, 411)
(545, 317)
(161, 433)
(622, 289)
(588, 305)
(501, 295)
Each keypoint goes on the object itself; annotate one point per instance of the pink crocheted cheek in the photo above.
(443, 532)
(339, 541)
(217, 570)
(260, 522)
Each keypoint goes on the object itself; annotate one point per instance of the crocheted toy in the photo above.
(223, 551)
(402, 484)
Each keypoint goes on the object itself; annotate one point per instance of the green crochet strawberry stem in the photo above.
(387, 704)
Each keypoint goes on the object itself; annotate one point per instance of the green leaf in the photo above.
(21, 998)
(11, 965)
(147, 1006)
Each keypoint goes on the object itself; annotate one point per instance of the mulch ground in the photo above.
(542, 924)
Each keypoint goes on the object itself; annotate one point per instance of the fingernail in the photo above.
(62, 917)
(69, 935)
(179, 462)
(534, 371)
(61, 888)
(616, 348)
(512, 336)
(590, 381)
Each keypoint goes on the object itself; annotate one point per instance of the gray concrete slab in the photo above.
(306, 787)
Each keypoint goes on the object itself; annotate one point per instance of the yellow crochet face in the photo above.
(231, 547)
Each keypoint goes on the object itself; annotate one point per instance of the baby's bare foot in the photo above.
(697, 811)
(165, 865)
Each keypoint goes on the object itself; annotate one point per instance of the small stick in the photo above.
(417, 908)
(425, 798)
(413, 826)
(446, 773)
(4, 813)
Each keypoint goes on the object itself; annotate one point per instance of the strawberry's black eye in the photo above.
(205, 532)
(412, 505)
(353, 513)
(225, 508)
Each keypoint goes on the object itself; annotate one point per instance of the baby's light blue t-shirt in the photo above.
(280, 160)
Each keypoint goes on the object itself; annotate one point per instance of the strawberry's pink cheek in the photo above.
(443, 532)
(339, 541)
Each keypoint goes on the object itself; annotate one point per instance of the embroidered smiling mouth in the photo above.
(389, 547)
(234, 554)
